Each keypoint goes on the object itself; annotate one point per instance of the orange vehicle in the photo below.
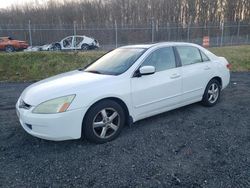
(9, 45)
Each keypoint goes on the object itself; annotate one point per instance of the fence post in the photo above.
(169, 31)
(153, 30)
(30, 34)
(188, 33)
(116, 35)
(74, 25)
(238, 32)
(222, 33)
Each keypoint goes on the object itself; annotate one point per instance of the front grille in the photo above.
(24, 105)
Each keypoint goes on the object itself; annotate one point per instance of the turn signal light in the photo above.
(64, 107)
(229, 66)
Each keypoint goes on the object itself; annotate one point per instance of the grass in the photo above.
(28, 66)
(237, 56)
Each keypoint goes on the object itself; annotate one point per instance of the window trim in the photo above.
(177, 63)
(205, 55)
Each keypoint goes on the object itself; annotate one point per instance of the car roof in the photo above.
(147, 46)
(76, 36)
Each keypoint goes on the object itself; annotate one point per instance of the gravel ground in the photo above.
(193, 146)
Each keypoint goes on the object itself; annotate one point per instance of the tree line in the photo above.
(175, 14)
(129, 12)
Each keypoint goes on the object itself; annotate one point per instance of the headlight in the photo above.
(54, 106)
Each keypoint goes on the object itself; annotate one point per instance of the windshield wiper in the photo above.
(93, 71)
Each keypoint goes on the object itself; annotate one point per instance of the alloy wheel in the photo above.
(213, 93)
(106, 123)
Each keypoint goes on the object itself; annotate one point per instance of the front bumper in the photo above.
(56, 127)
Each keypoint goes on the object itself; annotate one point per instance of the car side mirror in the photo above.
(147, 70)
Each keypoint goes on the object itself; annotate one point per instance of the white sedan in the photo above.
(77, 42)
(125, 85)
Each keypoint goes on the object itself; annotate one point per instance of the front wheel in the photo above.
(9, 49)
(212, 93)
(57, 47)
(103, 122)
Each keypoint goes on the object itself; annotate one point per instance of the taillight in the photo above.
(229, 66)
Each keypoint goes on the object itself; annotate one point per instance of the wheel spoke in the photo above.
(113, 116)
(210, 91)
(210, 98)
(98, 124)
(213, 87)
(103, 133)
(113, 126)
(104, 114)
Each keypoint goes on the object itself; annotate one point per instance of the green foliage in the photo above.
(237, 56)
(27, 66)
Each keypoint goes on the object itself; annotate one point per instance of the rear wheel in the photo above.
(9, 49)
(103, 122)
(212, 93)
(85, 47)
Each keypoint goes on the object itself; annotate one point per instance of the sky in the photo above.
(7, 3)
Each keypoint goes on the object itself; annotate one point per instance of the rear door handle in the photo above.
(207, 68)
(174, 76)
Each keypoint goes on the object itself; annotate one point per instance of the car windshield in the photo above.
(115, 62)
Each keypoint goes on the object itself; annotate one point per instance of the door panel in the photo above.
(78, 42)
(153, 92)
(195, 72)
(195, 79)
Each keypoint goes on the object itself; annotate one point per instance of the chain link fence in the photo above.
(116, 35)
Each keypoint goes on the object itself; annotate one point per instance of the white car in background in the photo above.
(125, 85)
(77, 42)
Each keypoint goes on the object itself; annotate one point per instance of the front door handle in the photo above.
(207, 68)
(174, 76)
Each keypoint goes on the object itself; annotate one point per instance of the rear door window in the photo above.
(189, 55)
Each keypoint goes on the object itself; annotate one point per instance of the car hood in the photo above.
(61, 85)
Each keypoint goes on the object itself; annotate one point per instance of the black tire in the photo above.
(94, 134)
(85, 47)
(207, 94)
(57, 47)
(9, 49)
